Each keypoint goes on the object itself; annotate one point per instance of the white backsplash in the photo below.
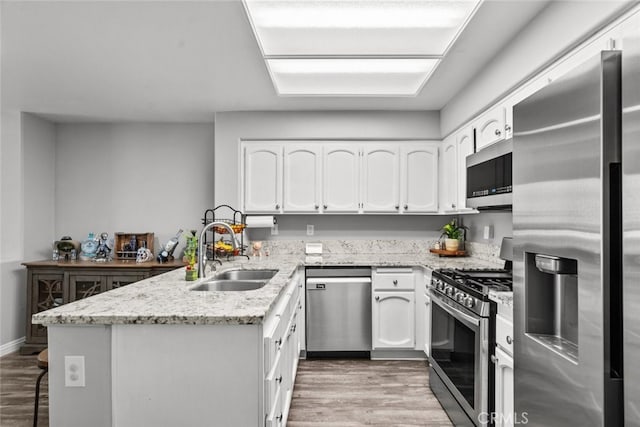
(483, 251)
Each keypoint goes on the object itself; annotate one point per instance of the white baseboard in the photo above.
(11, 347)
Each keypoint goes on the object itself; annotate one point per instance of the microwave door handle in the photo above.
(465, 318)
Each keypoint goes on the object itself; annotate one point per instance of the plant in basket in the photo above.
(453, 233)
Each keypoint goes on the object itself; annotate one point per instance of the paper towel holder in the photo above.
(260, 221)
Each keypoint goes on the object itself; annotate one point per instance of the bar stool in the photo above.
(43, 363)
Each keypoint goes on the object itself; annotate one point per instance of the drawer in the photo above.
(398, 281)
(273, 341)
(275, 416)
(504, 334)
(273, 381)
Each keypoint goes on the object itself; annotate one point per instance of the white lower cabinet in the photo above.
(393, 308)
(503, 366)
(504, 413)
(282, 350)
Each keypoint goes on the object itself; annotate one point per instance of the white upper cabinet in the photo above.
(302, 177)
(448, 174)
(381, 178)
(419, 180)
(464, 143)
(262, 177)
(490, 127)
(341, 178)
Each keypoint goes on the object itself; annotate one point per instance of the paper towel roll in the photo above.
(260, 221)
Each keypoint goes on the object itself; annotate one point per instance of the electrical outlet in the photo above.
(74, 371)
(310, 230)
(274, 230)
(488, 232)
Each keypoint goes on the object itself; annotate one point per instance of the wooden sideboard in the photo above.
(54, 283)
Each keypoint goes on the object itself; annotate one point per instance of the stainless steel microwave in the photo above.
(489, 177)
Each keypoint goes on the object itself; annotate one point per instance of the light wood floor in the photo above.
(350, 393)
(18, 376)
(327, 393)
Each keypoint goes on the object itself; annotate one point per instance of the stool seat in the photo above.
(43, 359)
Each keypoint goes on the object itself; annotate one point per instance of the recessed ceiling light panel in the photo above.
(350, 77)
(358, 27)
(355, 47)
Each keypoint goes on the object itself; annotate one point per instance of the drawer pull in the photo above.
(395, 283)
(279, 379)
(509, 340)
(279, 418)
(278, 342)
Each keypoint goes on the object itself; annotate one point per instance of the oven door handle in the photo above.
(454, 312)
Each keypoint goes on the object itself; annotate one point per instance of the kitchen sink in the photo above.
(229, 285)
(245, 275)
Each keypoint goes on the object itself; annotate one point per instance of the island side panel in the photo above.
(187, 375)
(80, 406)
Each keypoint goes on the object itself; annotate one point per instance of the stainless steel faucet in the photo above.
(202, 257)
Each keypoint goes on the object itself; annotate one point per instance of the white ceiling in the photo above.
(184, 60)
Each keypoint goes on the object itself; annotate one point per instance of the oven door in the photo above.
(460, 354)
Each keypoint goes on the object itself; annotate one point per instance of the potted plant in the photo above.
(454, 232)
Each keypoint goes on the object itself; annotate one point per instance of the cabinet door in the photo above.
(504, 389)
(46, 290)
(381, 178)
(464, 141)
(85, 285)
(262, 178)
(341, 178)
(302, 175)
(393, 320)
(489, 127)
(419, 169)
(448, 174)
(119, 280)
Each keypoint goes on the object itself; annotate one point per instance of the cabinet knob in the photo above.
(279, 418)
(498, 133)
(395, 283)
(277, 207)
(494, 359)
(406, 207)
(377, 298)
(278, 342)
(453, 205)
(317, 207)
(279, 379)
(325, 206)
(509, 340)
(397, 207)
(507, 128)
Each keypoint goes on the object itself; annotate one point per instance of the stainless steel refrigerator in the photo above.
(576, 233)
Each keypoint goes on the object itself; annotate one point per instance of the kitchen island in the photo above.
(157, 353)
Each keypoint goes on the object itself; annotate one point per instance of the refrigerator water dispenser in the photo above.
(551, 286)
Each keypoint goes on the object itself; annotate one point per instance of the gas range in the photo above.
(470, 287)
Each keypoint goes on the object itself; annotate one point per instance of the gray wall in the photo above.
(500, 222)
(133, 177)
(26, 213)
(354, 227)
(233, 127)
(556, 29)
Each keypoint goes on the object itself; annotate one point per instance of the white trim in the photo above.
(11, 347)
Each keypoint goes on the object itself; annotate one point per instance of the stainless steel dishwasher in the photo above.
(338, 310)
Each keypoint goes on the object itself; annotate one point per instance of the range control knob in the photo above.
(449, 290)
(469, 302)
(460, 297)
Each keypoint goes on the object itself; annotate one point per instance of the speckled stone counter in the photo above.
(166, 299)
(504, 298)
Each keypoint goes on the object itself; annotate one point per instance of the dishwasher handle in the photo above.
(319, 283)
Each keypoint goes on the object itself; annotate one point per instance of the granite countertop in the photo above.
(166, 298)
(504, 298)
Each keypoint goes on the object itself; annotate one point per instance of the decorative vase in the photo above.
(451, 244)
